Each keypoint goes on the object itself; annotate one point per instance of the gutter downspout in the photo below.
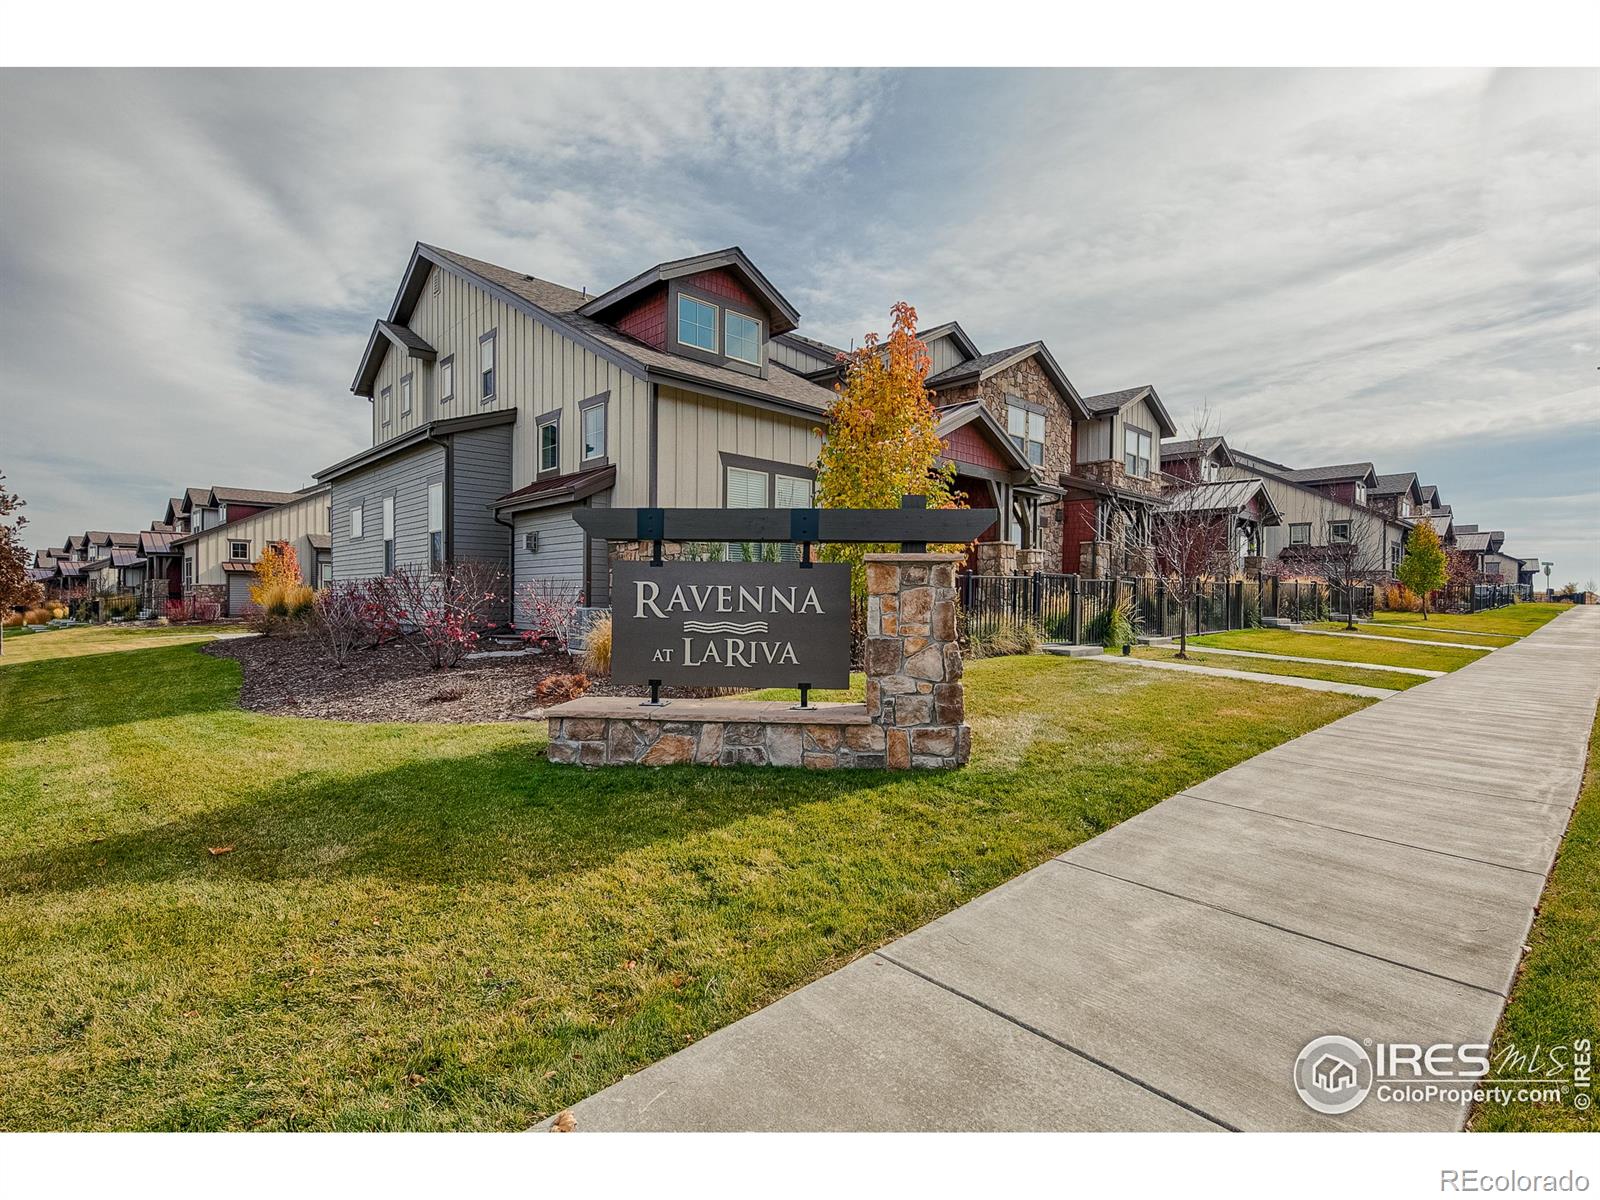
(511, 564)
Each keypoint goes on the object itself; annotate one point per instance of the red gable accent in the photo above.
(968, 445)
(647, 320)
(722, 282)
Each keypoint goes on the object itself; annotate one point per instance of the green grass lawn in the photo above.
(1355, 650)
(1515, 619)
(1426, 633)
(429, 927)
(1556, 999)
(78, 640)
(1368, 676)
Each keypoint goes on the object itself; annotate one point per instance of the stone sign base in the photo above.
(609, 730)
(914, 717)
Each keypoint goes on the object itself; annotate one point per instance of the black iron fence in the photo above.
(1475, 597)
(1076, 610)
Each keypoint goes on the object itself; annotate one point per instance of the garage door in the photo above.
(239, 602)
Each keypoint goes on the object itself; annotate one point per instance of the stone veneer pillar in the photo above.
(996, 558)
(913, 659)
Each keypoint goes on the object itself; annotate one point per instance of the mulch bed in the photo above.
(293, 676)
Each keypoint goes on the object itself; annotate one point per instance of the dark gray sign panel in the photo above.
(695, 624)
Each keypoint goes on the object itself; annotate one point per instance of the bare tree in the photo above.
(1352, 554)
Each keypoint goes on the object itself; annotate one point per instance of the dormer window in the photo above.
(743, 338)
(697, 323)
(1361, 493)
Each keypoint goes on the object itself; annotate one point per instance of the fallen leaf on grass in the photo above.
(214, 851)
(565, 1122)
(415, 1080)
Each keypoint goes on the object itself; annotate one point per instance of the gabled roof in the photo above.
(385, 334)
(811, 345)
(159, 527)
(1466, 529)
(1229, 495)
(195, 498)
(1197, 448)
(75, 541)
(1441, 523)
(558, 489)
(986, 366)
(1360, 472)
(98, 537)
(125, 558)
(953, 331)
(1393, 485)
(174, 511)
(40, 574)
(1429, 494)
(556, 308)
(1471, 541)
(1110, 402)
(782, 315)
(975, 412)
(237, 495)
(320, 541)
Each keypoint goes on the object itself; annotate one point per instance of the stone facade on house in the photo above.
(1027, 379)
(914, 715)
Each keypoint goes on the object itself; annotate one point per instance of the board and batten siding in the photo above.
(695, 430)
(480, 473)
(405, 477)
(945, 354)
(804, 361)
(537, 370)
(1093, 440)
(293, 523)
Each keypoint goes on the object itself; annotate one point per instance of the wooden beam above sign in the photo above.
(781, 524)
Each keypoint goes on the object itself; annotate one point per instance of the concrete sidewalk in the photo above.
(1299, 681)
(1374, 878)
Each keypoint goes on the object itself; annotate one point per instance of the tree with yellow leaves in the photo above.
(883, 442)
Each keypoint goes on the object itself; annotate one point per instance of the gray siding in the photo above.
(1094, 440)
(695, 430)
(239, 602)
(480, 474)
(796, 359)
(406, 477)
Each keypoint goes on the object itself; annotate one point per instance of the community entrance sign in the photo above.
(713, 625)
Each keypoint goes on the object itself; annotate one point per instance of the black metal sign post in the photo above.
(697, 624)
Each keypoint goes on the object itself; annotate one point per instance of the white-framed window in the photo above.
(1138, 448)
(447, 379)
(188, 571)
(435, 526)
(486, 365)
(550, 444)
(594, 431)
(388, 535)
(239, 551)
(1403, 506)
(1339, 531)
(405, 395)
(1361, 493)
(697, 323)
(386, 405)
(357, 521)
(1026, 427)
(1300, 534)
(742, 337)
(1396, 552)
(746, 487)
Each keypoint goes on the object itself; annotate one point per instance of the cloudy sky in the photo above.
(1401, 267)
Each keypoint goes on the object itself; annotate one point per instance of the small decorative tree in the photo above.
(439, 614)
(1353, 560)
(552, 607)
(277, 571)
(1423, 569)
(883, 442)
(17, 588)
(339, 615)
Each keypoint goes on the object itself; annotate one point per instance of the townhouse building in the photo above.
(231, 527)
(502, 403)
